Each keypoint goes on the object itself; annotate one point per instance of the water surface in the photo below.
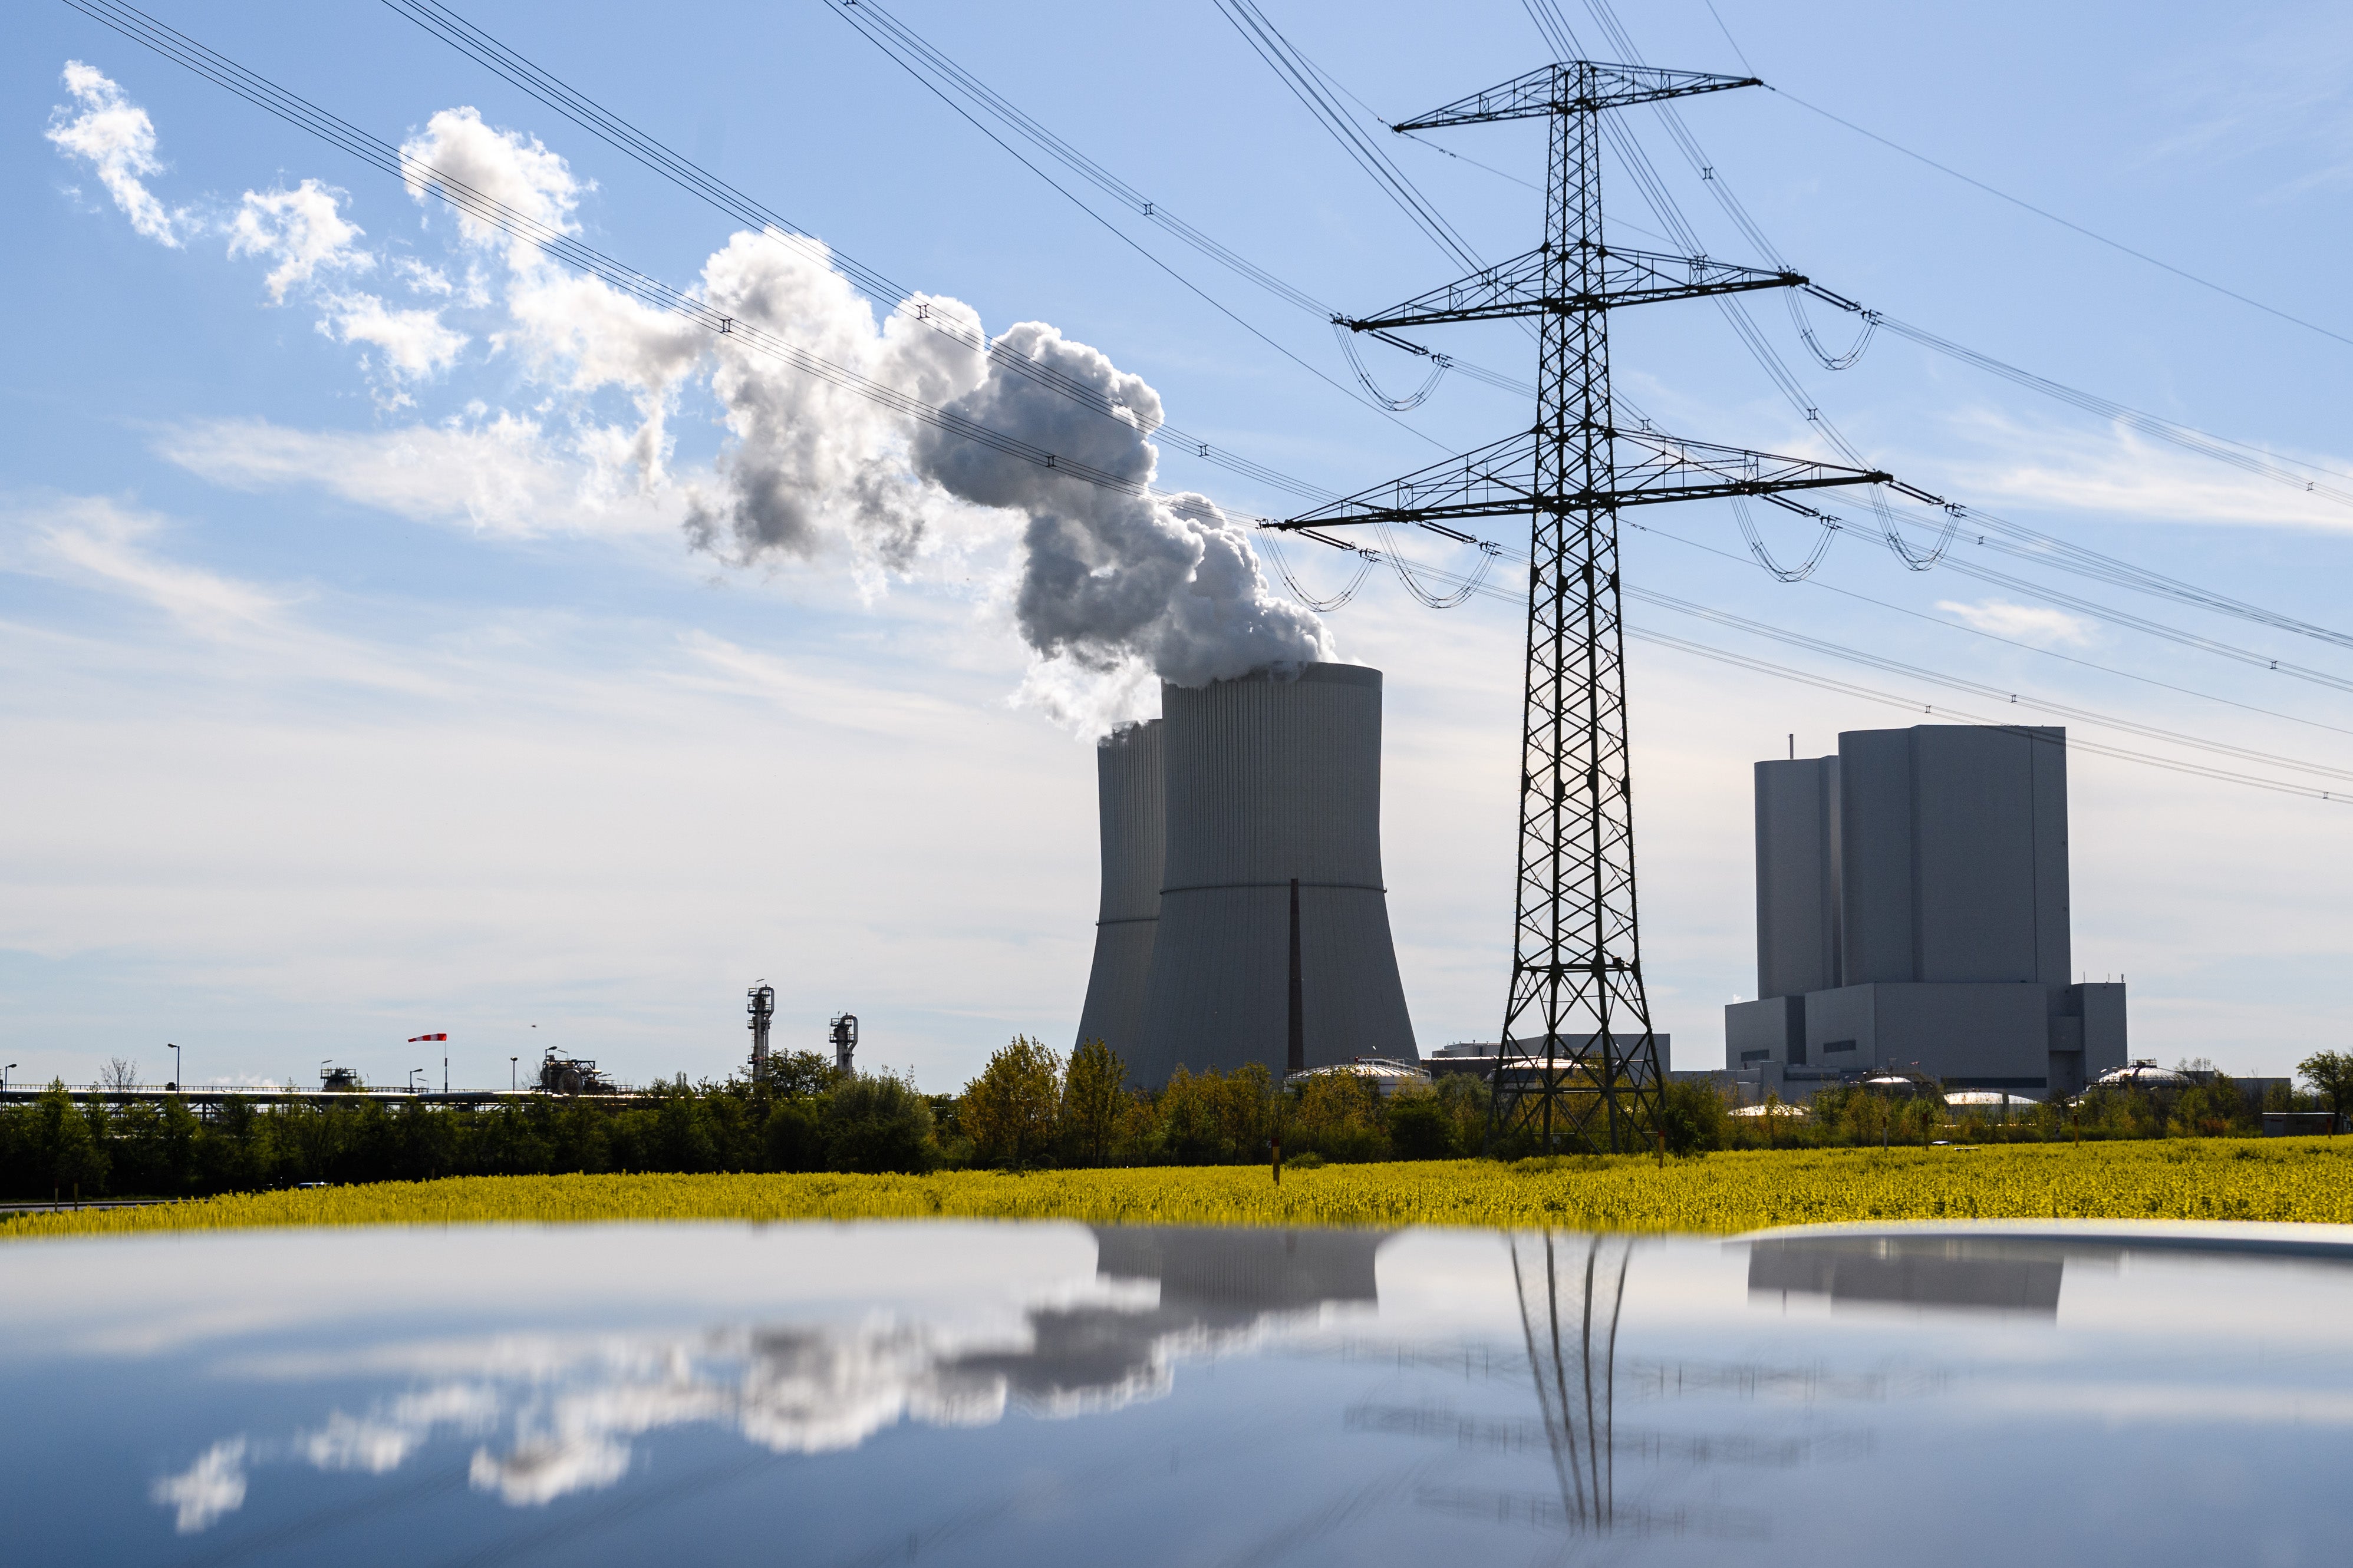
(964, 1392)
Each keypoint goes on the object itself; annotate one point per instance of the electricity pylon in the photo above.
(1579, 1062)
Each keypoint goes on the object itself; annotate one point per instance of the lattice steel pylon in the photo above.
(1577, 1064)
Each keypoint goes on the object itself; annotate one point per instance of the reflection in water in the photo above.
(1217, 1288)
(1571, 1294)
(814, 1388)
(1966, 1272)
(1576, 1375)
(1488, 1398)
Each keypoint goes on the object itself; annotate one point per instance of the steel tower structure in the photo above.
(1579, 1062)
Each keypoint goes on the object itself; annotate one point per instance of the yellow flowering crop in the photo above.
(2272, 1179)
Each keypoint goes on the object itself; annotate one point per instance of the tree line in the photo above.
(1028, 1109)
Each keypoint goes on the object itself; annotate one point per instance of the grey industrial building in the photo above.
(1912, 917)
(1245, 795)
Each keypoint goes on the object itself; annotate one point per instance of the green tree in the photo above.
(2330, 1073)
(1013, 1110)
(1692, 1118)
(71, 1149)
(875, 1124)
(1094, 1101)
(1420, 1124)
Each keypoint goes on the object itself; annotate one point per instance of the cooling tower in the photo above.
(1270, 780)
(1128, 787)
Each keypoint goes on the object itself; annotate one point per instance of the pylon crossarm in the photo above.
(1570, 87)
(1494, 481)
(1670, 469)
(1516, 288)
(1501, 480)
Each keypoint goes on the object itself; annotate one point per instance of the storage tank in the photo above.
(1128, 771)
(1272, 779)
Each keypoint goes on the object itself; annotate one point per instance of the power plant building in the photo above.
(1911, 915)
(1243, 915)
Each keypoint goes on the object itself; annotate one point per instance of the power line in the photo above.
(1657, 532)
(2078, 558)
(927, 61)
(2051, 216)
(1835, 650)
(382, 156)
(1311, 86)
(444, 23)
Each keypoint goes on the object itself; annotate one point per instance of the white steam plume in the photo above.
(1111, 588)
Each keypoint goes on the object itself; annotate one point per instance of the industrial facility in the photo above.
(1912, 917)
(1243, 916)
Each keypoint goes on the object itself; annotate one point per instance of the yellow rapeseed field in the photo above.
(2272, 1179)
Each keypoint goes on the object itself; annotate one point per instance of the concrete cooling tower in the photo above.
(1267, 781)
(1128, 770)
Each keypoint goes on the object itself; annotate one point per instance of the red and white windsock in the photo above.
(414, 1039)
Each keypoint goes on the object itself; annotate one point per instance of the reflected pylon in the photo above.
(1575, 1364)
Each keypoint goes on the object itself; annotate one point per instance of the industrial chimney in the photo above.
(1271, 778)
(1128, 769)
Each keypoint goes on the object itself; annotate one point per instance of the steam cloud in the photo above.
(1112, 589)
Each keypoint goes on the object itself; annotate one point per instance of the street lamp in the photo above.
(514, 1074)
(179, 1071)
(5, 1071)
(412, 1079)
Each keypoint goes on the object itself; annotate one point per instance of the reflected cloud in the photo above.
(213, 1486)
(571, 1408)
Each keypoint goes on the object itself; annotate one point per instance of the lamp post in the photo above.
(5, 1071)
(412, 1079)
(514, 1074)
(179, 1066)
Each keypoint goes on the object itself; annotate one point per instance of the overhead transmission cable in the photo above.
(485, 209)
(926, 60)
(1558, 32)
(2041, 548)
(1308, 84)
(951, 81)
(2049, 217)
(489, 211)
(441, 22)
(2000, 695)
(2076, 558)
(1656, 532)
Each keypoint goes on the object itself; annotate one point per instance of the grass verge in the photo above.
(2274, 1179)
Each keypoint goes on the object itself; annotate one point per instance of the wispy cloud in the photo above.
(2116, 471)
(115, 137)
(2027, 622)
(502, 475)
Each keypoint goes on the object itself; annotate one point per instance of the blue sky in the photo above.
(363, 681)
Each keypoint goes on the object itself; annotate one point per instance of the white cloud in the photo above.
(117, 139)
(99, 541)
(2118, 471)
(423, 279)
(302, 230)
(415, 343)
(2027, 622)
(213, 1486)
(500, 475)
(458, 149)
